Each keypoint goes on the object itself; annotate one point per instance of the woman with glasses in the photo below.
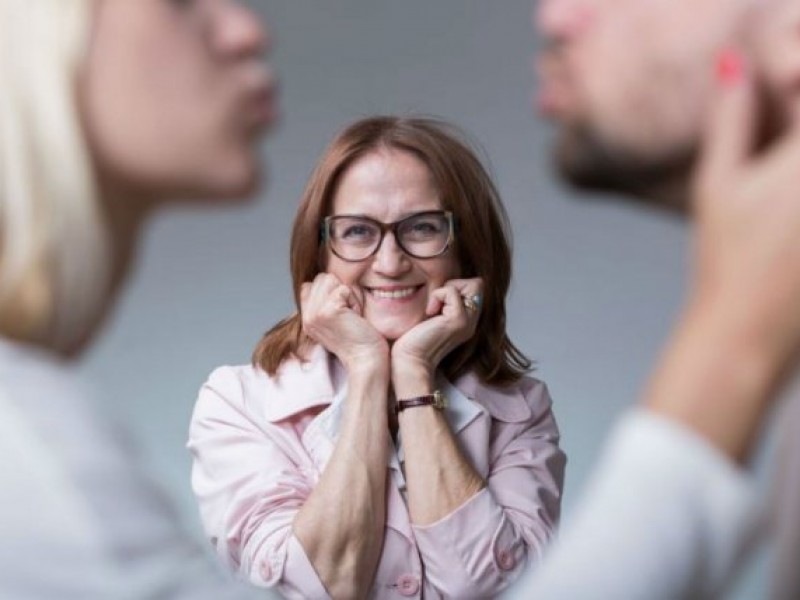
(386, 440)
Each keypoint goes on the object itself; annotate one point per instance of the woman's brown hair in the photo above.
(482, 238)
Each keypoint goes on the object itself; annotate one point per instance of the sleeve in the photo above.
(250, 483)
(665, 517)
(82, 520)
(485, 544)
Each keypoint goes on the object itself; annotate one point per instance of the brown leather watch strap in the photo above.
(436, 399)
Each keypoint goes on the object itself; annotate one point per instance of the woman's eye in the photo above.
(357, 231)
(425, 227)
(422, 229)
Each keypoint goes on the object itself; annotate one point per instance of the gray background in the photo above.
(596, 284)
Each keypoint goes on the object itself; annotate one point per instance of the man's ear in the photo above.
(776, 58)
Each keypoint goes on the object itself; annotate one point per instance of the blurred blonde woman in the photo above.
(97, 131)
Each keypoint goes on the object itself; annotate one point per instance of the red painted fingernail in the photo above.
(730, 67)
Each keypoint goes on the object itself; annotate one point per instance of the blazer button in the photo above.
(265, 570)
(506, 560)
(408, 585)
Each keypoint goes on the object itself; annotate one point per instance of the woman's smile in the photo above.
(393, 294)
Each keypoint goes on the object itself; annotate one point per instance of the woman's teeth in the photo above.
(393, 294)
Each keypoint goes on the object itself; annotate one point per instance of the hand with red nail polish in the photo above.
(740, 334)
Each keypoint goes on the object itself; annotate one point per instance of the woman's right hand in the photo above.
(332, 316)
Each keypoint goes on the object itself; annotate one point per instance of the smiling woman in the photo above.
(386, 440)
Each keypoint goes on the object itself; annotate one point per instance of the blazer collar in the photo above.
(507, 404)
(300, 385)
(460, 411)
(321, 380)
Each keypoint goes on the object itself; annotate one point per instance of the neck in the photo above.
(126, 212)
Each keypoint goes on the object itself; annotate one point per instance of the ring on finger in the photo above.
(473, 303)
(469, 304)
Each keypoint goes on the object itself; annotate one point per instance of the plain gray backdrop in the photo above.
(597, 282)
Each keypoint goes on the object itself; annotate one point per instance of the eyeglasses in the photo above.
(422, 235)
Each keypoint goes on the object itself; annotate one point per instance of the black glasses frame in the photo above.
(325, 232)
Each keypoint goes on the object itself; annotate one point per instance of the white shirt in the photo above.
(665, 517)
(78, 518)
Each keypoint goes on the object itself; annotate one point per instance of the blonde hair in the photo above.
(54, 244)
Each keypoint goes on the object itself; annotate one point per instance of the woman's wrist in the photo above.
(367, 364)
(412, 378)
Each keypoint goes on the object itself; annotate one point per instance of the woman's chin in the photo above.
(394, 330)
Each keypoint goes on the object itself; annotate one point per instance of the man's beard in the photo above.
(591, 163)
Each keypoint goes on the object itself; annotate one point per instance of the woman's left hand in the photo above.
(453, 310)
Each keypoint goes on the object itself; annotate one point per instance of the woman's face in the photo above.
(389, 185)
(175, 95)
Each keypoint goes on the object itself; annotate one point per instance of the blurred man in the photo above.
(631, 87)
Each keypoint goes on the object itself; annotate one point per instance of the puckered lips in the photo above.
(553, 98)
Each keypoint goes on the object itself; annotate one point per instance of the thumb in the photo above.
(356, 300)
(436, 301)
(729, 136)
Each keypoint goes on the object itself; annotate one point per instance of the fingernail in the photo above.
(730, 67)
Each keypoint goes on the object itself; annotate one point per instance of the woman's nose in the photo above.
(390, 259)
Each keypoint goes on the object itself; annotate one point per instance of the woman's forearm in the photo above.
(438, 476)
(341, 524)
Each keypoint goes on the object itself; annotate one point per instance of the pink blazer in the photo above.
(259, 445)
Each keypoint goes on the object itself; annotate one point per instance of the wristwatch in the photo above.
(436, 400)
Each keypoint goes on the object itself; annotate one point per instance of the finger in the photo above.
(350, 298)
(467, 287)
(327, 283)
(318, 289)
(471, 291)
(729, 136)
(357, 298)
(436, 301)
(341, 296)
(453, 302)
(305, 292)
